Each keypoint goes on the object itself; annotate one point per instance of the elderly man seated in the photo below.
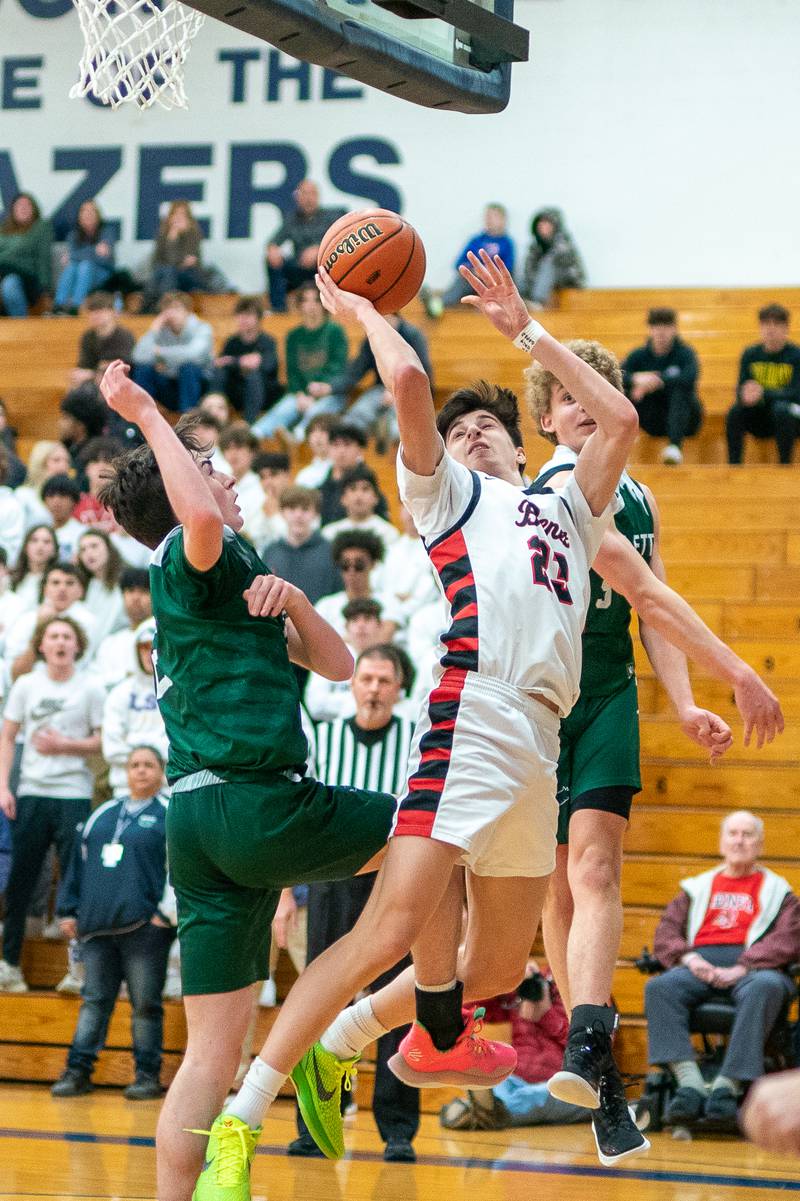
(730, 932)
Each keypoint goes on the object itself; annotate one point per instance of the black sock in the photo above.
(585, 1016)
(440, 1014)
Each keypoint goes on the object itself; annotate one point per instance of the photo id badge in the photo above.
(112, 853)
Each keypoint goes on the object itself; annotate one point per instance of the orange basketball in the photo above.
(375, 253)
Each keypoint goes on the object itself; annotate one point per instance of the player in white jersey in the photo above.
(515, 572)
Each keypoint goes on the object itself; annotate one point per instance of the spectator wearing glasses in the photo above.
(356, 553)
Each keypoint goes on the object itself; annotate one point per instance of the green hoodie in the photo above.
(28, 252)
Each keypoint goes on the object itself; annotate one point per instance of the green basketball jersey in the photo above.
(225, 686)
(607, 643)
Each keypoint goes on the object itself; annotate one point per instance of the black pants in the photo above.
(673, 412)
(285, 279)
(762, 421)
(40, 821)
(250, 392)
(333, 910)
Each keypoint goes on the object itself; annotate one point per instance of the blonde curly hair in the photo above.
(539, 382)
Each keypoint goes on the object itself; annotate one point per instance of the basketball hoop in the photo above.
(135, 51)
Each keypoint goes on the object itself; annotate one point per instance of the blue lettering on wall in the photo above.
(244, 194)
(155, 191)
(99, 165)
(18, 82)
(239, 59)
(8, 181)
(346, 179)
(339, 87)
(281, 68)
(46, 9)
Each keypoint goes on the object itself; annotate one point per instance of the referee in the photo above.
(368, 750)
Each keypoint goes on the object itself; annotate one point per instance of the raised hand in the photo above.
(338, 302)
(123, 395)
(495, 293)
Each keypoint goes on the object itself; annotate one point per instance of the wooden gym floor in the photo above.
(102, 1147)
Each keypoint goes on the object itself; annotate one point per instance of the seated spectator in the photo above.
(325, 699)
(25, 267)
(100, 565)
(267, 524)
(58, 712)
(88, 261)
(374, 410)
(115, 899)
(316, 354)
(318, 433)
(104, 341)
(767, 401)
(82, 415)
(45, 460)
(356, 553)
(553, 260)
(131, 716)
(172, 361)
(95, 464)
(12, 512)
(176, 263)
(8, 439)
(39, 551)
(246, 369)
(731, 930)
(495, 240)
(347, 443)
(61, 596)
(539, 1027)
(292, 251)
(409, 581)
(116, 655)
(60, 495)
(302, 556)
(360, 496)
(661, 380)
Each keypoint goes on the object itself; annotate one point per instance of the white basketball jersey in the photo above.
(513, 567)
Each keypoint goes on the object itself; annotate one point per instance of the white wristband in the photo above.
(527, 338)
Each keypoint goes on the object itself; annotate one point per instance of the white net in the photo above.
(135, 51)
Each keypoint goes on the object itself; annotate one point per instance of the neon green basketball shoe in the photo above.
(226, 1171)
(319, 1079)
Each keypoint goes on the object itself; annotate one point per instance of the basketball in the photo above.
(377, 254)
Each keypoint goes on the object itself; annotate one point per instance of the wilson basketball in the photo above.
(375, 253)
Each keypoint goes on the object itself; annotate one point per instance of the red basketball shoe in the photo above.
(473, 1062)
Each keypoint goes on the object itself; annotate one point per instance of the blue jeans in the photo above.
(140, 959)
(77, 280)
(179, 393)
(369, 411)
(286, 415)
(532, 1105)
(13, 295)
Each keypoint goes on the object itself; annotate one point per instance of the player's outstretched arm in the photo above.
(664, 610)
(312, 642)
(189, 495)
(602, 459)
(400, 369)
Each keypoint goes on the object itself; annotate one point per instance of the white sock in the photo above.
(726, 1084)
(354, 1029)
(259, 1089)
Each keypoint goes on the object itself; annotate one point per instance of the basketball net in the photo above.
(135, 51)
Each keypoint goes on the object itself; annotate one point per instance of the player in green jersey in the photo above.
(244, 821)
(598, 771)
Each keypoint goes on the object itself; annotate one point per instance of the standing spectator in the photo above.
(356, 553)
(661, 380)
(318, 435)
(12, 512)
(208, 429)
(374, 410)
(8, 439)
(114, 898)
(240, 447)
(176, 264)
(347, 443)
(553, 260)
(39, 551)
(409, 580)
(25, 268)
(267, 524)
(292, 251)
(767, 401)
(82, 415)
(131, 716)
(732, 929)
(100, 565)
(360, 496)
(61, 596)
(95, 464)
(60, 495)
(88, 261)
(58, 711)
(104, 341)
(316, 354)
(10, 607)
(45, 460)
(116, 655)
(172, 361)
(325, 699)
(302, 556)
(494, 239)
(246, 370)
(216, 405)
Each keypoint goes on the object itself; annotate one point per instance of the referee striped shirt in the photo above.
(356, 758)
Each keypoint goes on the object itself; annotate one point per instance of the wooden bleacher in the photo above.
(731, 541)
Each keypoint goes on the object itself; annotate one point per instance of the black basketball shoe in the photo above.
(615, 1132)
(587, 1058)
